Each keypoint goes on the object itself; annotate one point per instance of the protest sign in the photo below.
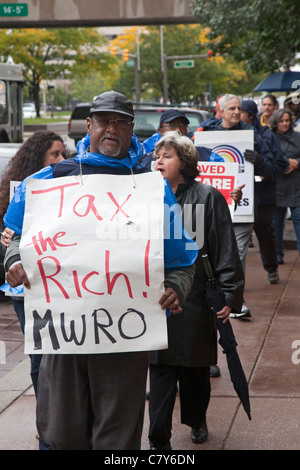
(92, 247)
(230, 146)
(222, 176)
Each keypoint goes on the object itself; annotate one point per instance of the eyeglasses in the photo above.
(175, 125)
(120, 123)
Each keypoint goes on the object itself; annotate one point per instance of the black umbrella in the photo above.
(216, 300)
(280, 81)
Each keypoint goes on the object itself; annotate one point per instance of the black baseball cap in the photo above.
(112, 101)
(171, 114)
(250, 107)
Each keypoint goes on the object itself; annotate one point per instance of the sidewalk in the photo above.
(266, 352)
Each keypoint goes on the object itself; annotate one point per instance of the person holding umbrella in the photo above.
(192, 335)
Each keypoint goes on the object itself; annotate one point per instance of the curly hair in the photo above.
(28, 160)
(185, 150)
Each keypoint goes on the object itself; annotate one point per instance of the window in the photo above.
(3, 103)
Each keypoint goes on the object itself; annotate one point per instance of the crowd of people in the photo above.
(97, 401)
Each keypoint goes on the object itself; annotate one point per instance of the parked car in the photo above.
(146, 120)
(29, 110)
(77, 121)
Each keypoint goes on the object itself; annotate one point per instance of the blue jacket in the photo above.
(147, 158)
(150, 143)
(175, 252)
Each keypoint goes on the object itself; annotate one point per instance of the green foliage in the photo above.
(184, 85)
(60, 97)
(262, 33)
(85, 88)
(54, 53)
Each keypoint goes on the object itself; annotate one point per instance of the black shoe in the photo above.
(214, 371)
(280, 259)
(199, 435)
(160, 446)
(244, 313)
(273, 277)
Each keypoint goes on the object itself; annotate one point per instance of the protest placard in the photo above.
(92, 247)
(222, 176)
(230, 146)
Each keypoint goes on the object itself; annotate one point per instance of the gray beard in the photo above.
(113, 154)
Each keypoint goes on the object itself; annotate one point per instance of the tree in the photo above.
(92, 84)
(47, 54)
(262, 33)
(222, 73)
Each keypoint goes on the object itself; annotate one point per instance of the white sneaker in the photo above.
(245, 312)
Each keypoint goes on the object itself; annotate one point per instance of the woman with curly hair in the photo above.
(38, 151)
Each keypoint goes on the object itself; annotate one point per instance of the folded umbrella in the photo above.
(216, 300)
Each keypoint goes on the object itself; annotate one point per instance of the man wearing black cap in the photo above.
(96, 401)
(102, 127)
(170, 120)
(173, 120)
(265, 194)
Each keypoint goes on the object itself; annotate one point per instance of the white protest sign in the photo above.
(231, 145)
(92, 248)
(222, 176)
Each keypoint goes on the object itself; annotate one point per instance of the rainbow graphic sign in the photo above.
(229, 154)
(229, 146)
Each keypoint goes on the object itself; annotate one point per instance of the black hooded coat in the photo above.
(192, 335)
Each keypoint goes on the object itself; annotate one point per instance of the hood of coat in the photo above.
(129, 161)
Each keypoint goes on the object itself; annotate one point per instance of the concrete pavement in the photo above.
(268, 347)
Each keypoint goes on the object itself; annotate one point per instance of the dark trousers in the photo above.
(35, 359)
(279, 224)
(194, 392)
(92, 401)
(264, 230)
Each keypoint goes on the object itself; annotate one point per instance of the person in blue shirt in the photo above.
(97, 401)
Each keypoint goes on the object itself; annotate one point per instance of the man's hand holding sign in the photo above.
(78, 258)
